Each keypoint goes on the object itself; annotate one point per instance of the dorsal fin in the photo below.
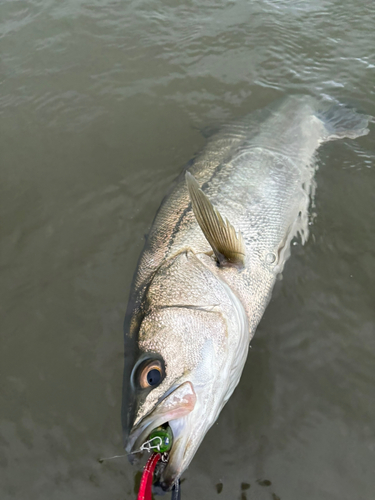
(228, 247)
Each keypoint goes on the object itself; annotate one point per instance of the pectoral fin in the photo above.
(228, 247)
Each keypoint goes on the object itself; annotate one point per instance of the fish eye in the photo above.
(151, 374)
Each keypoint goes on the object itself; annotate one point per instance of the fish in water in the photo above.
(204, 279)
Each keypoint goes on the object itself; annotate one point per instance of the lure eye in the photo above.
(151, 374)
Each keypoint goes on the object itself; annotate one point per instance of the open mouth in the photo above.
(172, 410)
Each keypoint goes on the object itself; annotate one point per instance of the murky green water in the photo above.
(101, 104)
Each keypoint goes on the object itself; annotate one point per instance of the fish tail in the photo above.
(341, 121)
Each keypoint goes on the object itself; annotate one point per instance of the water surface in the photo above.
(101, 104)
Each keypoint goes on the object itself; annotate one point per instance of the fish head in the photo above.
(187, 366)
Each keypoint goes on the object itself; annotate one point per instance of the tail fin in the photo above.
(341, 121)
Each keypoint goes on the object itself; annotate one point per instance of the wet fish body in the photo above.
(206, 273)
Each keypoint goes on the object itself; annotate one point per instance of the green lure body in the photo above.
(165, 436)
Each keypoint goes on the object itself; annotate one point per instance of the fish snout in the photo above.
(173, 408)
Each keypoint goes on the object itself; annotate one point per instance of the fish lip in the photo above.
(173, 469)
(182, 397)
(139, 429)
(139, 434)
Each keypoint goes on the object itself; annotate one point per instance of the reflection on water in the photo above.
(101, 104)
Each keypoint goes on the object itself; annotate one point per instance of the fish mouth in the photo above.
(173, 410)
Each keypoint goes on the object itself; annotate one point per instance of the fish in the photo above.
(217, 245)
